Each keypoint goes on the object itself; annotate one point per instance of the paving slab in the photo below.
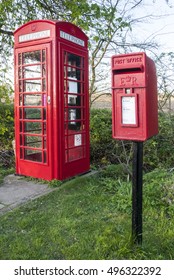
(16, 190)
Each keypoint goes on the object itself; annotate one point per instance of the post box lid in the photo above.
(128, 61)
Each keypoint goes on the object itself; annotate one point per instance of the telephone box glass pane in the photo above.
(20, 73)
(21, 153)
(74, 102)
(20, 86)
(31, 113)
(33, 141)
(65, 72)
(32, 86)
(32, 76)
(33, 127)
(21, 140)
(43, 70)
(32, 57)
(33, 155)
(21, 126)
(20, 59)
(72, 99)
(74, 60)
(32, 99)
(45, 157)
(72, 87)
(20, 99)
(20, 113)
(74, 140)
(43, 85)
(44, 128)
(44, 143)
(43, 55)
(44, 114)
(32, 71)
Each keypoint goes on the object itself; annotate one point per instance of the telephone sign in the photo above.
(51, 100)
(134, 97)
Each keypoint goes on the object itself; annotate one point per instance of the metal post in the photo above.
(137, 183)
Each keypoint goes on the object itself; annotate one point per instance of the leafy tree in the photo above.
(6, 117)
(5, 91)
(106, 22)
(165, 69)
(17, 12)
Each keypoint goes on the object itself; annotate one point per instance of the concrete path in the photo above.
(16, 190)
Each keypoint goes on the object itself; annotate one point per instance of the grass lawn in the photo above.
(90, 218)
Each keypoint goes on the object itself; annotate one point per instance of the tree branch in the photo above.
(7, 32)
(98, 96)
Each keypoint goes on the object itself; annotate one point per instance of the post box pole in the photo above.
(137, 183)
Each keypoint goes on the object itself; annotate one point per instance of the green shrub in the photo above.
(7, 126)
(158, 151)
(104, 149)
(100, 135)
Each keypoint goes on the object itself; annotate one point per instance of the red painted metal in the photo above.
(134, 97)
(51, 100)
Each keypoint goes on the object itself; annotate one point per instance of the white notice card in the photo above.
(73, 86)
(77, 140)
(128, 110)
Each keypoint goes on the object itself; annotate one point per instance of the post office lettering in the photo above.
(134, 59)
(119, 61)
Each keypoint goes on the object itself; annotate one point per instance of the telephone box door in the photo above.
(32, 109)
(76, 111)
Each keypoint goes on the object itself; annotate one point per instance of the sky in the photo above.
(159, 28)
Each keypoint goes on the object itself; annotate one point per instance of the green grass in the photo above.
(90, 218)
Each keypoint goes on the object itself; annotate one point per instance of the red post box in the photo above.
(51, 100)
(134, 97)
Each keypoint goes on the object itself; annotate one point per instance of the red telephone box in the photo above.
(134, 97)
(51, 100)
